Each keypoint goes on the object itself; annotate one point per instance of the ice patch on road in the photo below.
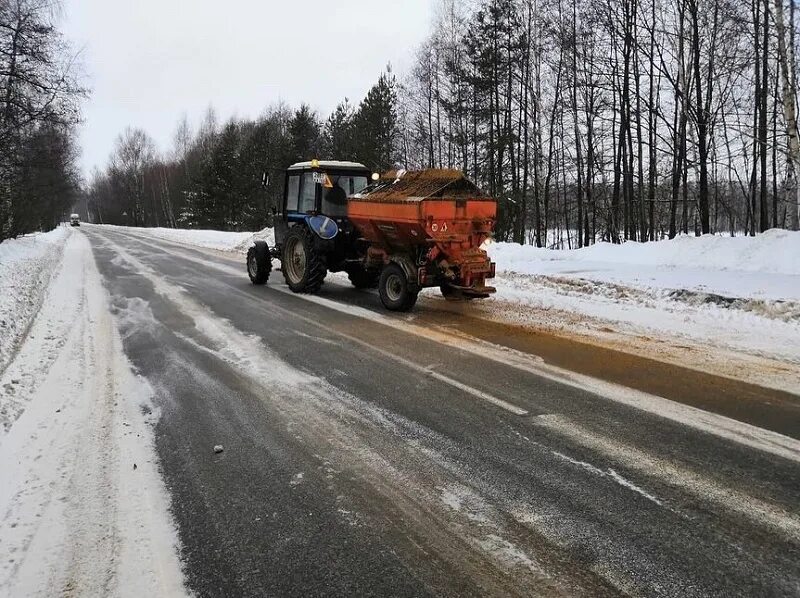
(507, 553)
(463, 500)
(134, 315)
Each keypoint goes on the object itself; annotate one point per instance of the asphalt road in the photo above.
(375, 454)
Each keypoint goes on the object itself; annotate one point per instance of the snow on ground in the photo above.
(26, 265)
(208, 239)
(766, 266)
(742, 293)
(83, 509)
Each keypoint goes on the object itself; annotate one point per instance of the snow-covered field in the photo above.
(26, 265)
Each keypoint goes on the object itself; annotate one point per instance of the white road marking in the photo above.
(474, 392)
(607, 473)
(713, 423)
(650, 466)
(427, 370)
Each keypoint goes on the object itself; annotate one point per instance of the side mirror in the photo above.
(264, 179)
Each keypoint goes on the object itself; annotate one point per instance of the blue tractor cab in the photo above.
(312, 233)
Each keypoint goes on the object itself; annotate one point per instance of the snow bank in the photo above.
(208, 239)
(83, 508)
(765, 267)
(776, 251)
(738, 292)
(26, 265)
(266, 234)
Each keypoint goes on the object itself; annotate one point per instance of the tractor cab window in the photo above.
(308, 194)
(292, 193)
(334, 200)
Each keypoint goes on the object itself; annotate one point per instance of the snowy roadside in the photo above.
(207, 239)
(83, 508)
(726, 305)
(741, 293)
(26, 267)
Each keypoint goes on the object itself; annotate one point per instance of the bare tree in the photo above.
(788, 68)
(134, 153)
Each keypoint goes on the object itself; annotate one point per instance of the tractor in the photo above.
(399, 232)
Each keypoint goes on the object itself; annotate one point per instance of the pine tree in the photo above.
(224, 212)
(376, 124)
(339, 134)
(304, 134)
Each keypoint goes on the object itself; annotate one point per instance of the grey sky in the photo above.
(150, 61)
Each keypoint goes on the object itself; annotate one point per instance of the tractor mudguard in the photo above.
(410, 270)
(325, 228)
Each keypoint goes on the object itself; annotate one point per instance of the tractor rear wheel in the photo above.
(259, 264)
(303, 267)
(394, 289)
(361, 278)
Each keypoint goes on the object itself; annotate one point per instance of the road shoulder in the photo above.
(83, 509)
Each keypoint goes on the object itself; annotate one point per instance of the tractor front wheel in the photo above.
(394, 289)
(303, 267)
(259, 264)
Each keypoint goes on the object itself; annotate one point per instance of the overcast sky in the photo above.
(150, 61)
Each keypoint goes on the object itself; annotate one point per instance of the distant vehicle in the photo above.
(405, 232)
(74, 220)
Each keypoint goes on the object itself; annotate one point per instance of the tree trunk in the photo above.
(789, 97)
(702, 124)
(763, 221)
(578, 153)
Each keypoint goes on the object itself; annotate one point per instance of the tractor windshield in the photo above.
(334, 198)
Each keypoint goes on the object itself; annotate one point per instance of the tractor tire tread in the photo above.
(316, 267)
(409, 294)
(263, 265)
